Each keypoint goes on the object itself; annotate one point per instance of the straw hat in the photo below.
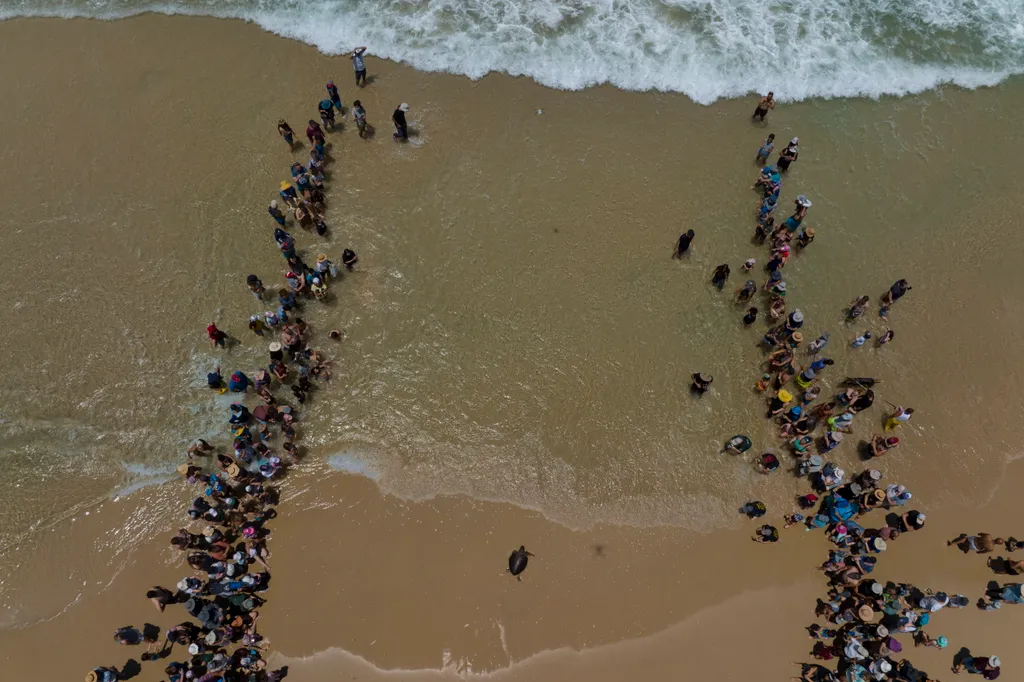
(321, 258)
(233, 470)
(285, 184)
(809, 231)
(785, 396)
(705, 378)
(798, 337)
(183, 469)
(879, 495)
(881, 631)
(877, 544)
(275, 347)
(91, 676)
(209, 531)
(836, 435)
(865, 613)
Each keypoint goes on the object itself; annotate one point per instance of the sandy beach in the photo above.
(516, 353)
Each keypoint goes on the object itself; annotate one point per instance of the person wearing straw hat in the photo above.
(325, 266)
(401, 125)
(288, 194)
(804, 239)
(104, 674)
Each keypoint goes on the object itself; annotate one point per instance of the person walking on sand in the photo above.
(359, 64)
(683, 245)
(359, 114)
(401, 126)
(766, 104)
(333, 95)
(286, 132)
(766, 150)
(900, 416)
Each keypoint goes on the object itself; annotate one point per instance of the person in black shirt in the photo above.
(401, 127)
(684, 244)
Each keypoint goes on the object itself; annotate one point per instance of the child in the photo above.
(749, 319)
(762, 385)
(766, 149)
(886, 337)
(861, 340)
(749, 265)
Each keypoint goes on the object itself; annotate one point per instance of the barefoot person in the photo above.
(401, 126)
(359, 114)
(359, 64)
(766, 104)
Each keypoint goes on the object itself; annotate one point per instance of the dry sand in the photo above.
(147, 124)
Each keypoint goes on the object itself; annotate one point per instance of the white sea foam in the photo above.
(706, 49)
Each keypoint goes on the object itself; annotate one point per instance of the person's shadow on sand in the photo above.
(130, 669)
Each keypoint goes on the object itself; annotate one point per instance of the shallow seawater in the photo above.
(515, 329)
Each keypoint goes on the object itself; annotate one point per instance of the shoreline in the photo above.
(649, 580)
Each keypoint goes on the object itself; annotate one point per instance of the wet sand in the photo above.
(516, 332)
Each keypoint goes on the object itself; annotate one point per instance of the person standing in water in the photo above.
(766, 150)
(401, 126)
(683, 245)
(789, 154)
(286, 132)
(359, 65)
(275, 213)
(766, 104)
(359, 114)
(333, 95)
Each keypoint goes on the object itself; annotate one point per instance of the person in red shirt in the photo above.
(217, 337)
(315, 133)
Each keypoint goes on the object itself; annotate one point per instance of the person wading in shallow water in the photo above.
(401, 126)
(766, 104)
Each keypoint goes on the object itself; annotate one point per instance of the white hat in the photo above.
(993, 661)
(193, 649)
(273, 203)
(274, 346)
(403, 106)
(884, 665)
(795, 140)
(803, 201)
(797, 316)
(781, 286)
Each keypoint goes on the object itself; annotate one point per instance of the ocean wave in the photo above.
(708, 49)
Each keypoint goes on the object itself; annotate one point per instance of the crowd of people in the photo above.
(865, 618)
(228, 556)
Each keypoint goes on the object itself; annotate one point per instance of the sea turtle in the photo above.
(517, 561)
